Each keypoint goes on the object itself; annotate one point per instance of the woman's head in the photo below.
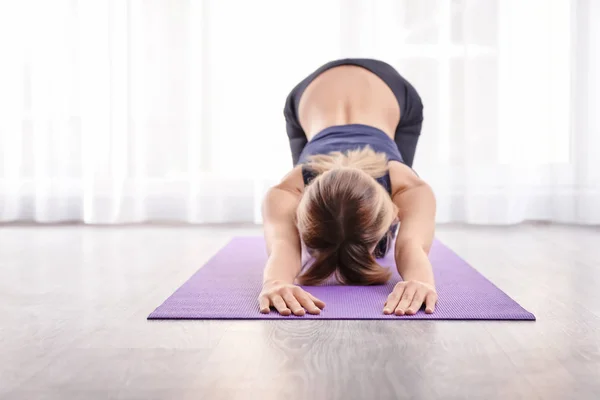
(342, 216)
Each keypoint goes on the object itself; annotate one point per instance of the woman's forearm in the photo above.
(281, 236)
(284, 263)
(413, 262)
(417, 215)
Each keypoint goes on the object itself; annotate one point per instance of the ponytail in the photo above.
(360, 267)
(321, 268)
(356, 267)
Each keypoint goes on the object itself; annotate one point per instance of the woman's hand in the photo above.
(288, 299)
(408, 297)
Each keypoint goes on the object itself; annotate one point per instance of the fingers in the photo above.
(280, 305)
(319, 303)
(307, 302)
(293, 304)
(393, 299)
(430, 302)
(263, 303)
(289, 300)
(405, 300)
(416, 302)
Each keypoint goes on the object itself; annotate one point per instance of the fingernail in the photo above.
(399, 312)
(387, 311)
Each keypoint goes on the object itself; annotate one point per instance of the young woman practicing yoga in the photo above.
(353, 127)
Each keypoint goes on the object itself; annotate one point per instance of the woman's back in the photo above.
(330, 100)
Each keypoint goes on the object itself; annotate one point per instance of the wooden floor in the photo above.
(74, 301)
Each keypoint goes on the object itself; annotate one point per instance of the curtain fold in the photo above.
(132, 111)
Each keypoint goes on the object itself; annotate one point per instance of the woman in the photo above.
(353, 127)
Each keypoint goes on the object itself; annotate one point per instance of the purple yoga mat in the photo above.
(227, 287)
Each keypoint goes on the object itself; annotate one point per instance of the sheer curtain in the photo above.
(129, 111)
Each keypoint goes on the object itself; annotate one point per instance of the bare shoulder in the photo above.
(293, 181)
(403, 177)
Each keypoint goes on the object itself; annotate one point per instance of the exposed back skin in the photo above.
(348, 94)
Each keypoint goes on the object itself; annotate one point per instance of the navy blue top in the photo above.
(350, 137)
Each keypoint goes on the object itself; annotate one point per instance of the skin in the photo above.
(330, 100)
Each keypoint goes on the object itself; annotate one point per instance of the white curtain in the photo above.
(120, 111)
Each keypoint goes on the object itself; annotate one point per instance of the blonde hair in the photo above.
(366, 160)
(343, 214)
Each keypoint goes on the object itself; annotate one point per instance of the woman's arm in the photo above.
(416, 211)
(284, 251)
(281, 234)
